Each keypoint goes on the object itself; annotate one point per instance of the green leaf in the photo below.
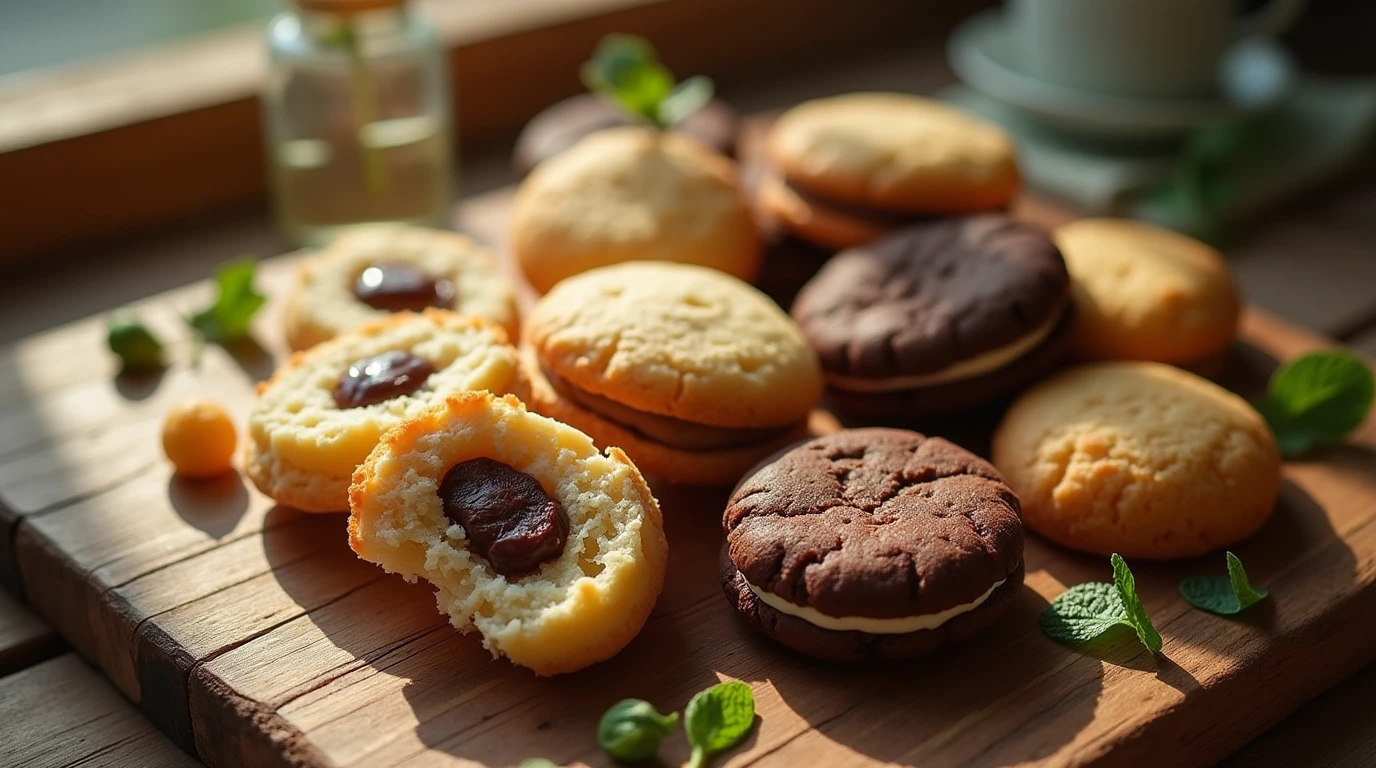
(536, 762)
(136, 346)
(687, 97)
(1224, 596)
(627, 69)
(1083, 612)
(236, 302)
(1137, 616)
(632, 729)
(1317, 399)
(717, 719)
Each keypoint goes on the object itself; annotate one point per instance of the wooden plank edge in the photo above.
(1328, 657)
(9, 565)
(219, 67)
(174, 165)
(219, 712)
(24, 639)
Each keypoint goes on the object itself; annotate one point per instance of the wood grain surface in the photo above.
(251, 633)
(63, 713)
(24, 640)
(1333, 731)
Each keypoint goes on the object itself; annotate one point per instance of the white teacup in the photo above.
(1139, 48)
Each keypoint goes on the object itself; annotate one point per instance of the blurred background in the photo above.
(132, 131)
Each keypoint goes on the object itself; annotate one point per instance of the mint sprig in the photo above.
(236, 302)
(1087, 611)
(1317, 399)
(717, 719)
(137, 347)
(632, 729)
(627, 69)
(1222, 595)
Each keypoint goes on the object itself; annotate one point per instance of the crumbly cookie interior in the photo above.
(593, 590)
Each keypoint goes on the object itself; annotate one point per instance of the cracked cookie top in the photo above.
(1142, 459)
(883, 523)
(933, 294)
(677, 340)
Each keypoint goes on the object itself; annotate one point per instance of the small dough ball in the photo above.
(198, 437)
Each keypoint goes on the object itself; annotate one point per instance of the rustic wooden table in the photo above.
(1313, 264)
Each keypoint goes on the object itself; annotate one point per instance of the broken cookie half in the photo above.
(554, 552)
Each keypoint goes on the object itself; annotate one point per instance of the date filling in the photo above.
(508, 518)
(402, 287)
(380, 378)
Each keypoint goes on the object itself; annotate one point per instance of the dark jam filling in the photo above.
(402, 287)
(508, 518)
(381, 378)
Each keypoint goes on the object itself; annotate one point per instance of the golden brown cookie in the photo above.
(895, 152)
(320, 415)
(374, 270)
(696, 374)
(1145, 293)
(629, 194)
(553, 552)
(1141, 459)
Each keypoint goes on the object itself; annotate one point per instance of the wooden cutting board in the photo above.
(251, 634)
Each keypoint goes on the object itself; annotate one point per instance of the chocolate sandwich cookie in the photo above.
(849, 168)
(695, 374)
(560, 126)
(939, 316)
(872, 543)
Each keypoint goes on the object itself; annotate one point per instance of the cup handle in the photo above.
(1270, 20)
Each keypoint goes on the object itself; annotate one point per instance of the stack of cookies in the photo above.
(510, 475)
(847, 169)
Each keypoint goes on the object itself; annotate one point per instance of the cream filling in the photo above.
(869, 624)
(965, 369)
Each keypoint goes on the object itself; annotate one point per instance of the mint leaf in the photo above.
(136, 346)
(236, 303)
(686, 98)
(1137, 617)
(1224, 596)
(536, 762)
(1083, 612)
(626, 69)
(717, 719)
(1317, 399)
(1086, 611)
(632, 729)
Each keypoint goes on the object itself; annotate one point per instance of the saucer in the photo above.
(1255, 77)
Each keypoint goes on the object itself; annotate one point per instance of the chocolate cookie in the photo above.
(934, 306)
(561, 126)
(872, 543)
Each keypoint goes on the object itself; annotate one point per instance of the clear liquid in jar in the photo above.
(390, 170)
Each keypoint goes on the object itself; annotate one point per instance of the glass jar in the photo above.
(356, 118)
